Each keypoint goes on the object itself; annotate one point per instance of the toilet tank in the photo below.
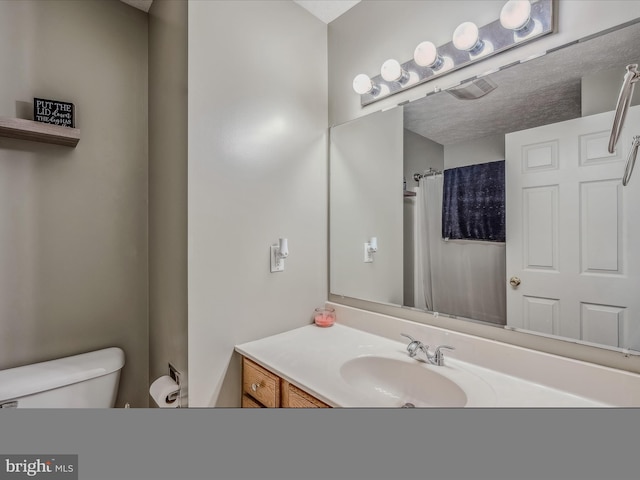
(88, 380)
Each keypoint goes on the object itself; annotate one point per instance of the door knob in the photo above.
(514, 281)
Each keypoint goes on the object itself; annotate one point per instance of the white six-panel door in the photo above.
(573, 232)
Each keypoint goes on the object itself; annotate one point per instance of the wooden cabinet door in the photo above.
(248, 402)
(260, 384)
(293, 397)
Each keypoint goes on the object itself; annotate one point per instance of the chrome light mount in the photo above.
(493, 34)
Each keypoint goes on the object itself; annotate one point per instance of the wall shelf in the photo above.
(38, 132)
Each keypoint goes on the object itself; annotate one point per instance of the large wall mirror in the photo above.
(497, 201)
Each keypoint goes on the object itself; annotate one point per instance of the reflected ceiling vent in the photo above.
(472, 90)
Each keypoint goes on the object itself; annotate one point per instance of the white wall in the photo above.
(479, 150)
(73, 221)
(257, 171)
(366, 201)
(600, 91)
(373, 31)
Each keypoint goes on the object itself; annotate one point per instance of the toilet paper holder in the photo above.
(172, 397)
(176, 376)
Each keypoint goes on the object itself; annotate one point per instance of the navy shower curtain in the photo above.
(473, 202)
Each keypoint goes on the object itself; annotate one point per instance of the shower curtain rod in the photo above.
(427, 173)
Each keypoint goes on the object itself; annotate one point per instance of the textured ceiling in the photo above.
(538, 92)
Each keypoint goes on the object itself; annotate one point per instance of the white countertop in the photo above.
(311, 358)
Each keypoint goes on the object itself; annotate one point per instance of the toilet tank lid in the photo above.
(39, 377)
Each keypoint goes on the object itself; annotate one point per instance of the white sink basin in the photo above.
(393, 382)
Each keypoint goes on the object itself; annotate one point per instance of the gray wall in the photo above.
(73, 221)
(420, 153)
(257, 171)
(168, 189)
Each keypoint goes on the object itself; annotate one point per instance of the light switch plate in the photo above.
(368, 256)
(277, 264)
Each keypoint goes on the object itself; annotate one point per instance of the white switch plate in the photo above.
(368, 256)
(277, 263)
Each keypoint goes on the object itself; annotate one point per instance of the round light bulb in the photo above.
(515, 14)
(391, 71)
(362, 84)
(466, 36)
(425, 54)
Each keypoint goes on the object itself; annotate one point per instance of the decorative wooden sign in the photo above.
(54, 112)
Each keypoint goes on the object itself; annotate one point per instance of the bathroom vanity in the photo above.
(343, 366)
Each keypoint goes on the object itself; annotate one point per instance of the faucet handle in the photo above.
(413, 345)
(439, 356)
(408, 336)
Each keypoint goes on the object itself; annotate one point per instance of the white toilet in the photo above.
(88, 380)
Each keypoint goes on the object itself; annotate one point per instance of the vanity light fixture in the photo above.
(362, 84)
(516, 16)
(518, 22)
(370, 248)
(278, 253)
(466, 37)
(392, 71)
(426, 55)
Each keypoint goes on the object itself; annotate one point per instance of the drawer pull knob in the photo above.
(254, 386)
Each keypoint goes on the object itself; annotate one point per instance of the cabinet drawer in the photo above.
(248, 402)
(293, 397)
(260, 384)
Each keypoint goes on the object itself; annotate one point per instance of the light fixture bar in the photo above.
(495, 34)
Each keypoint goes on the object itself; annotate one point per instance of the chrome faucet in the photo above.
(436, 358)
